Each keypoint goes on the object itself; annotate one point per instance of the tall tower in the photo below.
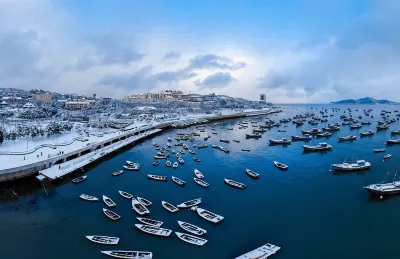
(263, 98)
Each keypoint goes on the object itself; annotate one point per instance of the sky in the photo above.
(307, 51)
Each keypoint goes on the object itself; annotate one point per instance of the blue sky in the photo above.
(295, 51)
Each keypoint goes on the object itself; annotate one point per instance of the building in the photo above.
(44, 97)
(77, 105)
(263, 98)
(28, 105)
(137, 98)
(163, 96)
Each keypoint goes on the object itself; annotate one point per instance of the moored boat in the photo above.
(209, 216)
(117, 173)
(188, 204)
(191, 239)
(104, 240)
(262, 252)
(156, 163)
(175, 165)
(280, 165)
(88, 197)
(252, 174)
(150, 222)
(367, 133)
(178, 181)
(201, 182)
(163, 232)
(157, 177)
(129, 254)
(283, 141)
(379, 150)
(302, 138)
(393, 141)
(139, 208)
(168, 206)
(235, 184)
(125, 195)
(387, 156)
(198, 174)
(192, 228)
(143, 201)
(320, 147)
(79, 179)
(347, 138)
(110, 203)
(111, 214)
(358, 165)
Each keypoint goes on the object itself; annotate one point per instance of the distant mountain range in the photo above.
(365, 100)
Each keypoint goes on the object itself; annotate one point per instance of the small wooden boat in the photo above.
(235, 184)
(178, 181)
(387, 156)
(128, 254)
(156, 163)
(150, 222)
(125, 195)
(196, 159)
(129, 162)
(79, 179)
(192, 152)
(246, 149)
(201, 182)
(175, 165)
(88, 197)
(188, 204)
(209, 216)
(131, 167)
(162, 232)
(168, 163)
(139, 208)
(111, 214)
(145, 202)
(104, 240)
(117, 173)
(379, 150)
(262, 252)
(191, 239)
(192, 228)
(280, 165)
(157, 177)
(252, 174)
(168, 206)
(108, 202)
(198, 174)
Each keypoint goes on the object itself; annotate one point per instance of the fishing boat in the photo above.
(108, 202)
(88, 197)
(178, 181)
(173, 151)
(168, 163)
(188, 204)
(355, 126)
(175, 165)
(236, 141)
(388, 188)
(157, 177)
(79, 179)
(393, 141)
(313, 131)
(191, 239)
(302, 138)
(139, 208)
(169, 139)
(117, 173)
(379, 150)
(254, 135)
(128, 254)
(181, 161)
(198, 174)
(143, 201)
(365, 122)
(192, 228)
(202, 146)
(347, 138)
(280, 165)
(223, 149)
(262, 252)
(125, 195)
(323, 135)
(156, 163)
(156, 145)
(111, 214)
(162, 232)
(252, 174)
(283, 141)
(160, 157)
(134, 167)
(246, 149)
(235, 184)
(214, 146)
(382, 127)
(150, 222)
(320, 147)
(209, 216)
(192, 152)
(168, 206)
(395, 132)
(196, 159)
(367, 133)
(201, 182)
(387, 156)
(104, 240)
(358, 165)
(182, 151)
(260, 130)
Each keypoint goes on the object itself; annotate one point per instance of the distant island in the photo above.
(365, 100)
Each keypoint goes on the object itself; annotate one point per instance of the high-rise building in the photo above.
(263, 98)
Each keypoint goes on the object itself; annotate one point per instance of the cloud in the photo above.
(211, 61)
(174, 76)
(219, 79)
(134, 81)
(172, 55)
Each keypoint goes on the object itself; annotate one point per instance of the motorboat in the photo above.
(254, 135)
(111, 214)
(110, 203)
(178, 181)
(367, 133)
(139, 208)
(393, 141)
(168, 163)
(150, 222)
(302, 138)
(387, 156)
(192, 228)
(79, 179)
(133, 167)
(156, 163)
(88, 197)
(236, 141)
(355, 126)
(358, 165)
(196, 159)
(280, 165)
(128, 254)
(209, 216)
(198, 174)
(117, 173)
(246, 149)
(262, 252)
(347, 138)
(320, 147)
(252, 174)
(192, 152)
(104, 240)
(160, 157)
(283, 141)
(313, 131)
(154, 230)
(235, 184)
(201, 182)
(188, 204)
(143, 201)
(126, 195)
(194, 240)
(181, 161)
(157, 177)
(395, 132)
(168, 206)
(224, 141)
(324, 135)
(379, 150)
(175, 165)
(382, 127)
(332, 128)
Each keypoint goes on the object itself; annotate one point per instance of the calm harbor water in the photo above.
(307, 210)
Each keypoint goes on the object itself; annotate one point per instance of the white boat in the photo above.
(246, 149)
(325, 134)
(387, 156)
(88, 197)
(117, 173)
(126, 195)
(134, 167)
(173, 151)
(178, 181)
(111, 214)
(393, 141)
(201, 182)
(358, 165)
(379, 150)
(196, 159)
(235, 184)
(188, 204)
(181, 161)
(192, 228)
(143, 201)
(156, 163)
(252, 174)
(110, 203)
(261, 253)
(175, 165)
(367, 133)
(163, 232)
(160, 157)
(198, 174)
(129, 254)
(192, 152)
(280, 165)
(347, 138)
(129, 162)
(168, 163)
(104, 240)
(157, 177)
(150, 222)
(168, 206)
(320, 147)
(139, 208)
(79, 179)
(303, 137)
(283, 141)
(209, 216)
(191, 239)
